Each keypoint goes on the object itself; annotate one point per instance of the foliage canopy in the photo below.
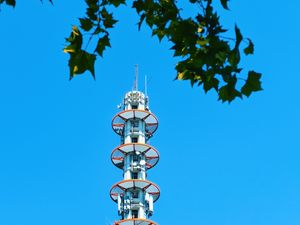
(206, 57)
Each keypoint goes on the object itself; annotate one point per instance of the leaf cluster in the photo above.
(95, 23)
(206, 57)
(9, 2)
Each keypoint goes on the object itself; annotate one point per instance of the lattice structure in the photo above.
(135, 195)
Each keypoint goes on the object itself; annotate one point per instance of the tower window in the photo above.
(134, 106)
(135, 176)
(135, 213)
(135, 158)
(134, 139)
(135, 193)
(134, 123)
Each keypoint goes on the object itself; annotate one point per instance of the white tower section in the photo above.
(135, 195)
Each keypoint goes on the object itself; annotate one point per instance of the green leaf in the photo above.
(75, 40)
(91, 2)
(250, 48)
(228, 92)
(80, 62)
(238, 36)
(159, 33)
(221, 56)
(202, 42)
(11, 2)
(116, 3)
(210, 83)
(70, 48)
(92, 10)
(234, 57)
(138, 5)
(142, 18)
(224, 4)
(252, 84)
(109, 21)
(86, 24)
(90, 63)
(102, 44)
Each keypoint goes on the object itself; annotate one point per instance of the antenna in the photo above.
(135, 87)
(146, 85)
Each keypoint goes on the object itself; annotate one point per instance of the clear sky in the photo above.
(220, 164)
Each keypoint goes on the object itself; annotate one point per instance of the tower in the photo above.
(135, 194)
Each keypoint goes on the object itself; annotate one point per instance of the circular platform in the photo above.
(135, 222)
(151, 154)
(147, 186)
(119, 120)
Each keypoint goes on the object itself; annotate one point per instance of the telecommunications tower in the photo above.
(135, 194)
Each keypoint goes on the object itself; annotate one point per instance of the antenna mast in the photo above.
(136, 77)
(146, 86)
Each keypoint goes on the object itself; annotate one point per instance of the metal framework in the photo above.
(135, 195)
(118, 154)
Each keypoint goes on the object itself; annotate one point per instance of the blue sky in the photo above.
(220, 164)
